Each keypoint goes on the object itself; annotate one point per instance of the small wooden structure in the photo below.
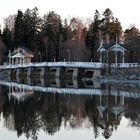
(21, 55)
(103, 52)
(116, 49)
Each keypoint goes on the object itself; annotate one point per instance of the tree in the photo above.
(132, 41)
(10, 22)
(19, 29)
(54, 33)
(32, 26)
(107, 23)
(0, 32)
(76, 29)
(2, 52)
(105, 29)
(93, 35)
(7, 39)
(110, 27)
(65, 30)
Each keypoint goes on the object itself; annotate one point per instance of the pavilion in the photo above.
(21, 55)
(103, 52)
(116, 49)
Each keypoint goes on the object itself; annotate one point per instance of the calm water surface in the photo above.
(72, 110)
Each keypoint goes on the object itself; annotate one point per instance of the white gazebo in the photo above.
(17, 58)
(103, 52)
(21, 55)
(116, 48)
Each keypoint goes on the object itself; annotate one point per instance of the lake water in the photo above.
(58, 110)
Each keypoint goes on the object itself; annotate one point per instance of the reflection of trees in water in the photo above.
(26, 115)
(29, 116)
(51, 116)
(91, 110)
(133, 113)
(104, 122)
(48, 111)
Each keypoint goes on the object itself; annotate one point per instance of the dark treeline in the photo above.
(49, 37)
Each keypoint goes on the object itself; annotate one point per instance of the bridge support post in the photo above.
(29, 71)
(59, 72)
(92, 73)
(74, 73)
(44, 72)
(77, 73)
(9, 73)
(19, 74)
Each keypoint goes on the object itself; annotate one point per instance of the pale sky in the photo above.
(127, 11)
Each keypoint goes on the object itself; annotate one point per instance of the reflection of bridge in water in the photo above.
(95, 89)
(34, 106)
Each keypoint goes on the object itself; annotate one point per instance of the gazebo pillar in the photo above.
(12, 61)
(116, 57)
(123, 58)
(9, 60)
(20, 60)
(23, 61)
(100, 57)
(107, 56)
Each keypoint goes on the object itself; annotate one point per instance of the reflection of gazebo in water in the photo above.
(110, 110)
(19, 94)
(117, 50)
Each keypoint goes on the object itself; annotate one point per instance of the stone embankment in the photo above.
(123, 75)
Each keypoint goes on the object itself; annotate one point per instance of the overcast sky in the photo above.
(127, 11)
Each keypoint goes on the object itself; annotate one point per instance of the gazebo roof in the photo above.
(117, 110)
(18, 55)
(117, 48)
(18, 96)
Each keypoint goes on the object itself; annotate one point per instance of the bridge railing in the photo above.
(72, 64)
(60, 64)
(125, 65)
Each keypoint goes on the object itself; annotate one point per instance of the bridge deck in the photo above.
(71, 64)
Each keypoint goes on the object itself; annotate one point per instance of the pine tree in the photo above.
(32, 25)
(93, 35)
(54, 32)
(7, 39)
(19, 30)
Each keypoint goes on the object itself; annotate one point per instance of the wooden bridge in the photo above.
(55, 69)
(68, 69)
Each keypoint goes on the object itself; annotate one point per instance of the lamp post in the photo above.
(39, 56)
(68, 55)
